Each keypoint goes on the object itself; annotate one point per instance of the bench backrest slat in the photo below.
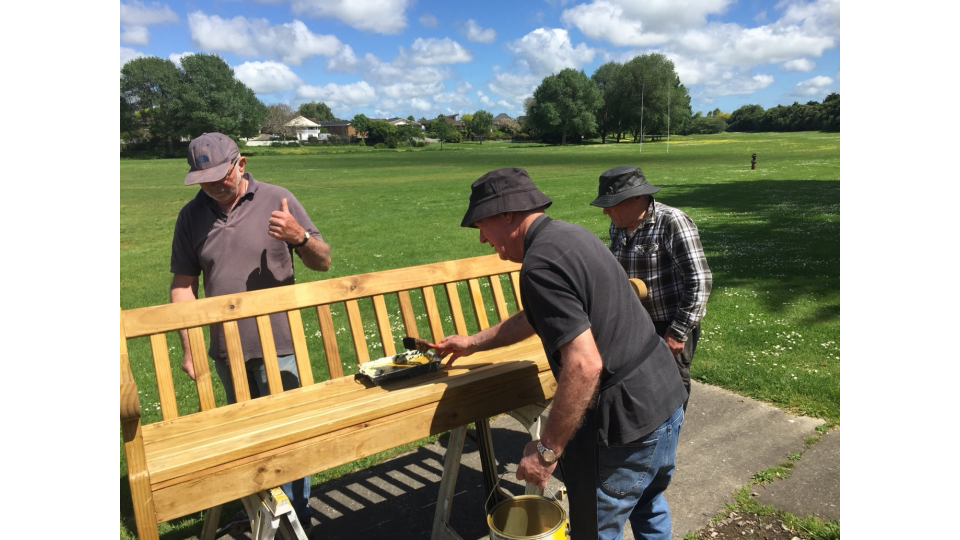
(383, 324)
(300, 347)
(161, 367)
(515, 281)
(433, 314)
(238, 370)
(356, 331)
(201, 370)
(328, 335)
(477, 299)
(406, 312)
(456, 311)
(269, 350)
(498, 299)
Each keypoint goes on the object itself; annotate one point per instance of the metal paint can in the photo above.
(528, 517)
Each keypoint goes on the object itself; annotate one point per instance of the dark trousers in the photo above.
(685, 358)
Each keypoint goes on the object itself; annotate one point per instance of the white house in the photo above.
(305, 128)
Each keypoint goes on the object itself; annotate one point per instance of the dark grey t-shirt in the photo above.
(235, 254)
(570, 283)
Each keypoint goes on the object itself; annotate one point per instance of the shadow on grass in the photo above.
(779, 237)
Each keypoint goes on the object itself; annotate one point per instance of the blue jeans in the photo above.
(633, 477)
(297, 491)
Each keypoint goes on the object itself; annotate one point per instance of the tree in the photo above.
(830, 113)
(406, 133)
(277, 117)
(318, 111)
(608, 114)
(361, 124)
(466, 125)
(482, 124)
(150, 101)
(442, 129)
(565, 104)
(381, 130)
(214, 101)
(649, 89)
(746, 118)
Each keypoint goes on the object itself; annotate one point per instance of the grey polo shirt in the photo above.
(235, 254)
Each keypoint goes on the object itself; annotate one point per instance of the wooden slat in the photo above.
(269, 350)
(329, 336)
(433, 314)
(476, 298)
(238, 367)
(300, 347)
(204, 311)
(456, 311)
(406, 312)
(227, 482)
(356, 331)
(201, 369)
(499, 299)
(383, 323)
(161, 367)
(515, 281)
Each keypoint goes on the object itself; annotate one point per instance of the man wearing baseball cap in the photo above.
(660, 245)
(617, 410)
(240, 234)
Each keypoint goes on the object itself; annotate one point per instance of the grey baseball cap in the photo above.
(620, 183)
(210, 157)
(503, 190)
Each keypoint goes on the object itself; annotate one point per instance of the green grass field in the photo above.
(771, 235)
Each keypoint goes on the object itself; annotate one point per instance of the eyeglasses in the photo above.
(230, 170)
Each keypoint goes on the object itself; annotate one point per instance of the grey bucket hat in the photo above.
(621, 183)
(503, 190)
(210, 157)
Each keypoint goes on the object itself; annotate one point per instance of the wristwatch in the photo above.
(306, 237)
(547, 454)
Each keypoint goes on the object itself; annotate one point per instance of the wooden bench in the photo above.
(199, 459)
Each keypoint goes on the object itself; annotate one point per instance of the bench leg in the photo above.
(448, 485)
(211, 520)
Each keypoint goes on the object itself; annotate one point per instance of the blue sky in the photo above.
(388, 58)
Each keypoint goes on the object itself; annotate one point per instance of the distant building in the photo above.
(305, 128)
(339, 127)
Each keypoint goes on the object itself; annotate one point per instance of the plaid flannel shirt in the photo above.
(665, 252)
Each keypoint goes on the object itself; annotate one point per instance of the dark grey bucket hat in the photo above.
(621, 183)
(503, 190)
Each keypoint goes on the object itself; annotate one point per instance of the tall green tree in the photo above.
(608, 114)
(565, 104)
(150, 101)
(442, 129)
(361, 124)
(829, 113)
(213, 100)
(278, 115)
(482, 124)
(318, 111)
(650, 90)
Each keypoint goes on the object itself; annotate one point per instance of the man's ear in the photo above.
(242, 164)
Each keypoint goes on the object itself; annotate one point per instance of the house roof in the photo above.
(301, 122)
(334, 123)
(502, 116)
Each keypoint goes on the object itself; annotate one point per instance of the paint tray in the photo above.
(409, 363)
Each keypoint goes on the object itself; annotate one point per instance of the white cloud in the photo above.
(464, 87)
(799, 64)
(136, 13)
(175, 57)
(134, 35)
(345, 60)
(453, 98)
(135, 17)
(640, 22)
(380, 16)
(479, 35)
(548, 50)
(290, 42)
(127, 54)
(340, 97)
(483, 98)
(267, 77)
(432, 51)
(428, 20)
(421, 105)
(816, 86)
(514, 87)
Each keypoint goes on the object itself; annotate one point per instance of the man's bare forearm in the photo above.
(315, 254)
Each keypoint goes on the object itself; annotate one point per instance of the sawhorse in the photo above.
(269, 511)
(531, 417)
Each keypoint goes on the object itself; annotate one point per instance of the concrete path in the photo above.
(725, 439)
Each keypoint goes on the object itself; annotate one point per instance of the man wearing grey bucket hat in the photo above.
(240, 234)
(618, 406)
(660, 245)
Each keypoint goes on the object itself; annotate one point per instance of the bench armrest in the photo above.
(129, 398)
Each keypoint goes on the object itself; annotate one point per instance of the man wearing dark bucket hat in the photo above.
(660, 245)
(240, 234)
(617, 411)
